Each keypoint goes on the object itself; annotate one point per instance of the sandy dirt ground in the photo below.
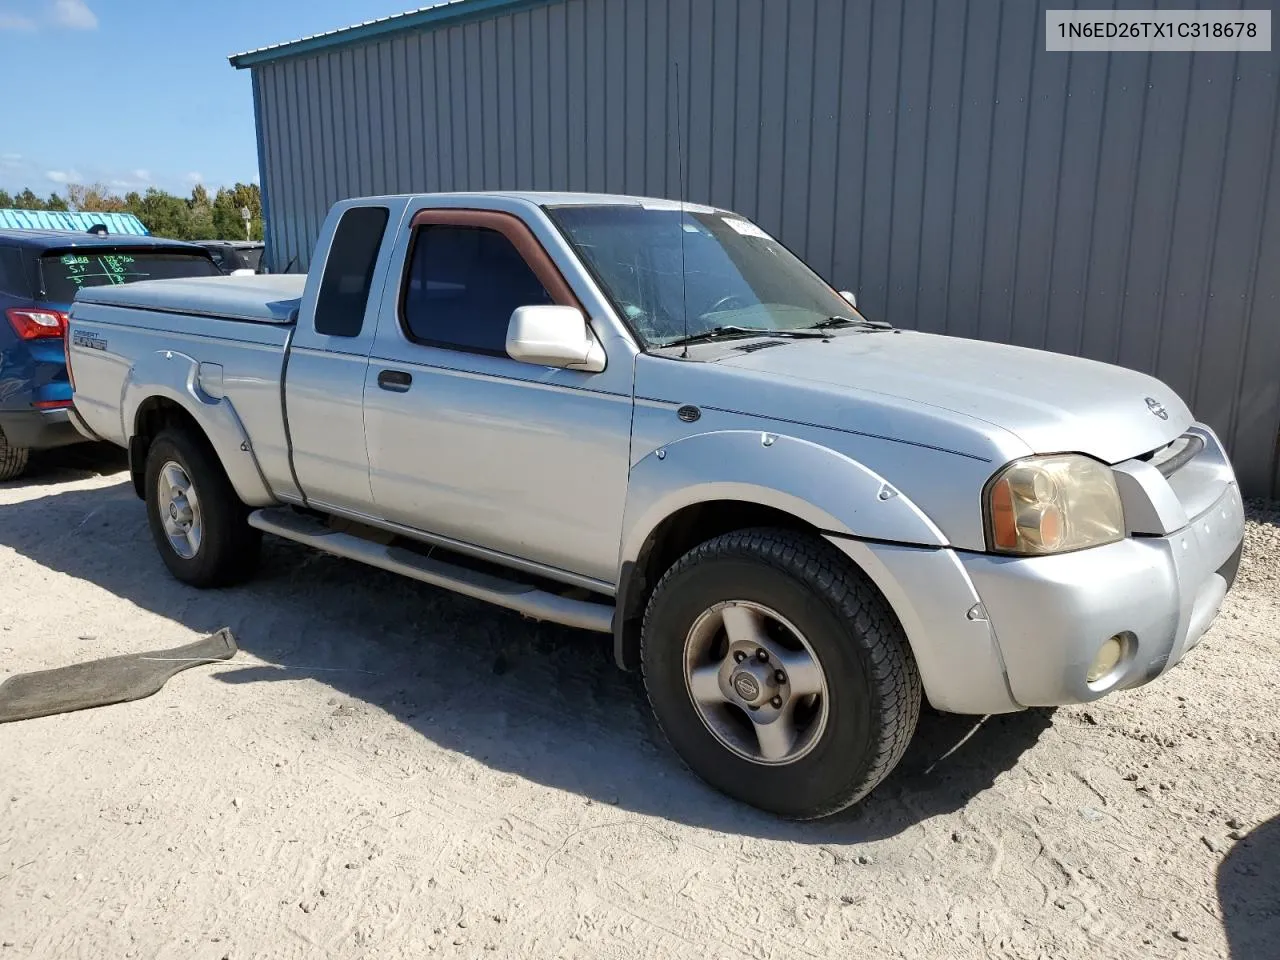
(389, 771)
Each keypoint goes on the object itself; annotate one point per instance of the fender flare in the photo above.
(176, 377)
(826, 489)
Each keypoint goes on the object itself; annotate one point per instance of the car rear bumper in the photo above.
(38, 429)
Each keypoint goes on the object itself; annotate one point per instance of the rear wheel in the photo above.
(779, 673)
(13, 460)
(197, 522)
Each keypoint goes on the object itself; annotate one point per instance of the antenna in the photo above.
(684, 273)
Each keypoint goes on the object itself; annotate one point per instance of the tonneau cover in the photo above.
(266, 298)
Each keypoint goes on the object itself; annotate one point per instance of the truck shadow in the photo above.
(538, 701)
(73, 462)
(1249, 894)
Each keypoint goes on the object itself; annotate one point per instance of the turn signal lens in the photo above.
(1053, 504)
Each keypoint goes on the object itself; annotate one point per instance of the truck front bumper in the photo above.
(992, 634)
(1158, 595)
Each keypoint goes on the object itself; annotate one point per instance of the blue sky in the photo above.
(138, 93)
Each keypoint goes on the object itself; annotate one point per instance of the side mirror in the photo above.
(853, 300)
(553, 336)
(242, 272)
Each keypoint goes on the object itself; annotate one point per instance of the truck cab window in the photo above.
(348, 272)
(462, 286)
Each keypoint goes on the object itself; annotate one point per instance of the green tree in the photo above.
(200, 223)
(93, 197)
(227, 221)
(199, 217)
(163, 214)
(27, 200)
(228, 203)
(248, 195)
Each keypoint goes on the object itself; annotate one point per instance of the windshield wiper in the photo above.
(716, 333)
(850, 322)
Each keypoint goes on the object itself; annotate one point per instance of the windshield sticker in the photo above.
(746, 228)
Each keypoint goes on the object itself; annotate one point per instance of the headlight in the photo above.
(1053, 504)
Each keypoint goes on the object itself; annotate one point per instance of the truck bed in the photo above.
(260, 299)
(215, 344)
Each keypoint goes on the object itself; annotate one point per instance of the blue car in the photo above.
(40, 272)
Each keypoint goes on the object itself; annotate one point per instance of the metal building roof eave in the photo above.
(437, 15)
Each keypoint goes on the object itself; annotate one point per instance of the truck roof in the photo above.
(553, 199)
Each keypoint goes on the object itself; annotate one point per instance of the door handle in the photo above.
(397, 381)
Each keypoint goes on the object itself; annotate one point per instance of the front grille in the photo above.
(1196, 469)
(1173, 457)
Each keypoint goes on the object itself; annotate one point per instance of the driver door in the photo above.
(469, 445)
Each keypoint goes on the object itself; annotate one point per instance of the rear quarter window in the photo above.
(348, 271)
(13, 276)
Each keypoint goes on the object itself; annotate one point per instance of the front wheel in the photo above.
(779, 673)
(197, 522)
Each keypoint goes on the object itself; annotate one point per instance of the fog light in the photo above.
(1108, 656)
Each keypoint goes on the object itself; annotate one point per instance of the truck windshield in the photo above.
(64, 272)
(731, 277)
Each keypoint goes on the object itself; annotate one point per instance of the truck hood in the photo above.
(1051, 402)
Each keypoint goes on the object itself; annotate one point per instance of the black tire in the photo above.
(229, 547)
(13, 460)
(872, 678)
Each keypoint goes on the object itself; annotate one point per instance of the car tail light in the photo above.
(35, 324)
(51, 404)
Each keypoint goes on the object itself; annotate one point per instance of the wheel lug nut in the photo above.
(776, 702)
(762, 655)
(739, 656)
(779, 677)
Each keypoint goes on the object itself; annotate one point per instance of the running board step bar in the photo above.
(520, 597)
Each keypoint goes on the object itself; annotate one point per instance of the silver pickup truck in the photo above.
(649, 419)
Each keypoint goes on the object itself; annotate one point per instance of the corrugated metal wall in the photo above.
(125, 223)
(927, 153)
